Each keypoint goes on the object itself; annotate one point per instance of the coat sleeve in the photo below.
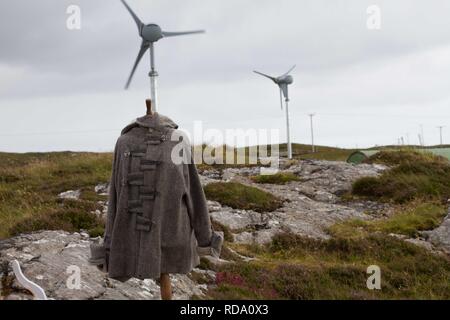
(112, 200)
(197, 207)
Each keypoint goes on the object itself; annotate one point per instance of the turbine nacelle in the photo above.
(283, 82)
(287, 79)
(151, 33)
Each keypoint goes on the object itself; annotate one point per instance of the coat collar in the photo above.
(156, 121)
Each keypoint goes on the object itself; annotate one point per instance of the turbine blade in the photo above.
(284, 89)
(290, 70)
(135, 17)
(144, 48)
(265, 75)
(183, 33)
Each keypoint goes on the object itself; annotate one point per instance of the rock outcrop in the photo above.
(52, 259)
(311, 204)
(440, 237)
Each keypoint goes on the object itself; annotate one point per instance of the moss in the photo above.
(228, 235)
(240, 196)
(408, 220)
(67, 220)
(205, 264)
(7, 281)
(229, 255)
(97, 231)
(278, 178)
(90, 195)
(366, 186)
(200, 278)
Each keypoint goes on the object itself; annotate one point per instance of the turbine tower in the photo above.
(440, 133)
(283, 82)
(151, 33)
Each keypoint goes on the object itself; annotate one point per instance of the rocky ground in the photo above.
(310, 206)
(48, 258)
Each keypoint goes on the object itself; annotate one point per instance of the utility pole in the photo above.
(440, 134)
(311, 115)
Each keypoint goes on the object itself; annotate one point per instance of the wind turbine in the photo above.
(283, 82)
(151, 33)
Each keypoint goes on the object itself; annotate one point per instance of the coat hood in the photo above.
(156, 121)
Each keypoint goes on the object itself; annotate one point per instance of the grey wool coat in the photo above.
(157, 212)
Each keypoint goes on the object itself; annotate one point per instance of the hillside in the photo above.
(309, 232)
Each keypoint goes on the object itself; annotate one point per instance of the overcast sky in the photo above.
(62, 89)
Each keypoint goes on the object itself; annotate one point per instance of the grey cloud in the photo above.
(340, 64)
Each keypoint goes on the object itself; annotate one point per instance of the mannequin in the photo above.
(181, 201)
(164, 280)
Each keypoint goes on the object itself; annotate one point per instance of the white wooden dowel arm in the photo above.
(37, 291)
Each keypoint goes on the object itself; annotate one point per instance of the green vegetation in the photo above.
(396, 157)
(278, 178)
(240, 196)
(293, 267)
(407, 221)
(228, 236)
(290, 267)
(303, 151)
(413, 176)
(30, 183)
(328, 153)
(68, 220)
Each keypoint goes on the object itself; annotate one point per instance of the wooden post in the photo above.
(148, 102)
(164, 280)
(166, 287)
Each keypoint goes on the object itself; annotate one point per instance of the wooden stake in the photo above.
(166, 287)
(148, 102)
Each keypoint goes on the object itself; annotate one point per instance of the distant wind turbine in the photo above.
(283, 82)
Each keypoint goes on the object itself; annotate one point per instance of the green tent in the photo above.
(359, 156)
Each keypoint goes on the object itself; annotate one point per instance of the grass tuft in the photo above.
(396, 157)
(30, 184)
(240, 196)
(408, 221)
(66, 219)
(415, 176)
(278, 178)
